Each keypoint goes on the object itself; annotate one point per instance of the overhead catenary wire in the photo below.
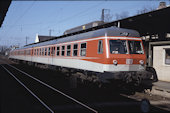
(19, 18)
(79, 14)
(40, 23)
(45, 26)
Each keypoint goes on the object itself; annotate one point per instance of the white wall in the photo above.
(162, 69)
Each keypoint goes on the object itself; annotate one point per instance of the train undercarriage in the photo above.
(118, 79)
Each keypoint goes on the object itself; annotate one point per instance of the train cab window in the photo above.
(63, 50)
(58, 51)
(167, 56)
(100, 47)
(135, 47)
(75, 49)
(68, 50)
(49, 49)
(118, 46)
(45, 52)
(83, 49)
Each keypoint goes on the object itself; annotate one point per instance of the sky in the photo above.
(28, 18)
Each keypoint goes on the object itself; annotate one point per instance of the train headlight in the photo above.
(115, 62)
(141, 62)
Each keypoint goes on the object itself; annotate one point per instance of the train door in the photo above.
(53, 54)
(31, 55)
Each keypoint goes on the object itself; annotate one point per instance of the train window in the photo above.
(118, 47)
(42, 52)
(75, 49)
(45, 51)
(167, 56)
(63, 50)
(34, 51)
(68, 50)
(83, 49)
(49, 50)
(37, 52)
(58, 51)
(135, 47)
(100, 46)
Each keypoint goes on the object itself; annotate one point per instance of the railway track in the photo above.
(34, 86)
(54, 100)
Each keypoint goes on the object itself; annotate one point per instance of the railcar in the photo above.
(108, 54)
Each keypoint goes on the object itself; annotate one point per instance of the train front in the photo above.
(125, 58)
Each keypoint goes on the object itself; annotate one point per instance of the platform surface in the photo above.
(163, 85)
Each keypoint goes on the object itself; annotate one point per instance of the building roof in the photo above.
(148, 23)
(44, 38)
(153, 22)
(4, 5)
(84, 26)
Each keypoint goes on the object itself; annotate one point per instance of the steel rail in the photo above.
(45, 105)
(71, 98)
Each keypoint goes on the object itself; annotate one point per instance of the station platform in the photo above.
(161, 88)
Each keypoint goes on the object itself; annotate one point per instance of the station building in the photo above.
(154, 28)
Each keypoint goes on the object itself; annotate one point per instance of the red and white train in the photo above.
(109, 54)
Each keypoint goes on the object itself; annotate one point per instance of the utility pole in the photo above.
(102, 16)
(26, 39)
(50, 32)
(105, 15)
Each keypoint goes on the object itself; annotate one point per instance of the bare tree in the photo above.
(146, 9)
(122, 15)
(108, 18)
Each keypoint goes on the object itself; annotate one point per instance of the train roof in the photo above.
(111, 31)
